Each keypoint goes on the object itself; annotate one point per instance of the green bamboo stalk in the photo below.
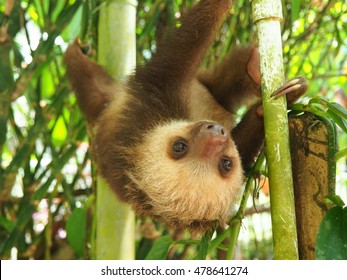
(267, 15)
(115, 230)
(236, 221)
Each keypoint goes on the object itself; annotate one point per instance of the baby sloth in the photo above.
(166, 140)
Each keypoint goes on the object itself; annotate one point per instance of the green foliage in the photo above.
(335, 200)
(204, 246)
(160, 248)
(76, 230)
(43, 155)
(296, 6)
(46, 180)
(332, 236)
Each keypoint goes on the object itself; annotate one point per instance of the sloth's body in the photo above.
(166, 140)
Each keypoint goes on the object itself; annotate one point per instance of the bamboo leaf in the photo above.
(76, 230)
(160, 248)
(73, 29)
(335, 199)
(204, 245)
(340, 154)
(46, 82)
(17, 233)
(143, 249)
(296, 4)
(340, 121)
(6, 224)
(58, 8)
(337, 109)
(59, 132)
(42, 190)
(68, 13)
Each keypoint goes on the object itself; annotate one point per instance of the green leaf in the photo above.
(6, 224)
(204, 245)
(6, 78)
(340, 121)
(160, 248)
(47, 83)
(332, 235)
(59, 132)
(18, 230)
(219, 239)
(42, 190)
(340, 154)
(58, 8)
(3, 129)
(76, 230)
(67, 14)
(73, 29)
(335, 199)
(295, 10)
(143, 248)
(337, 109)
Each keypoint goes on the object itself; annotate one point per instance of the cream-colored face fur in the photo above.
(190, 188)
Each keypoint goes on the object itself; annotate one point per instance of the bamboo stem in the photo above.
(115, 231)
(267, 15)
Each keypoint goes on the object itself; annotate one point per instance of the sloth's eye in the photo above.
(225, 165)
(179, 148)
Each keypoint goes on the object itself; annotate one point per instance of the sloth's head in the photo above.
(191, 172)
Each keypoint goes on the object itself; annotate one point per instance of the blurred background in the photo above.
(45, 165)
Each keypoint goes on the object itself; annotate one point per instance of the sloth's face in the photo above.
(189, 171)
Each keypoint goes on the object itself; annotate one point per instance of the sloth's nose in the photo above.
(214, 128)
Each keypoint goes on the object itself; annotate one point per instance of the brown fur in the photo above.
(169, 98)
